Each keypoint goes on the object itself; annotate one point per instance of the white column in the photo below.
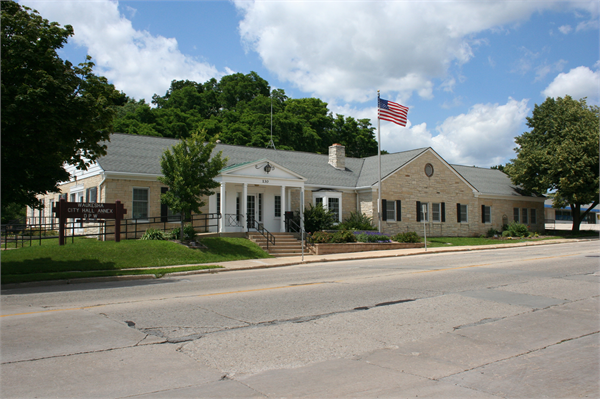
(302, 208)
(283, 203)
(223, 202)
(244, 206)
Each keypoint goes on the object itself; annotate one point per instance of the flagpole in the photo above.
(379, 159)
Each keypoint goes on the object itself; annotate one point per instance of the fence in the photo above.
(37, 229)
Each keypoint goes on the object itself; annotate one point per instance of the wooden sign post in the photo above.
(88, 212)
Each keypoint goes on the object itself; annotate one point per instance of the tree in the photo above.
(52, 112)
(188, 170)
(560, 154)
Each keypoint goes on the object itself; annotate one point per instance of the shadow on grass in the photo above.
(47, 265)
(232, 251)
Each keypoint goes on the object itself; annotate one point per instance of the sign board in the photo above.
(91, 210)
(88, 211)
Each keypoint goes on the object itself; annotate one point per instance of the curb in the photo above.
(371, 255)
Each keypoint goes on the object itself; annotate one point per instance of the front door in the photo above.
(251, 210)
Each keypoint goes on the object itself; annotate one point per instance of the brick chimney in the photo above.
(337, 156)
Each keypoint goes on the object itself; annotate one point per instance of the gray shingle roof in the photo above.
(141, 154)
(488, 181)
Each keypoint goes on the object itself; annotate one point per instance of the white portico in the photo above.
(253, 193)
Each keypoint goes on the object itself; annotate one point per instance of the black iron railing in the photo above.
(261, 229)
(36, 230)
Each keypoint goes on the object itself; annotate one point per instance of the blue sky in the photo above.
(470, 71)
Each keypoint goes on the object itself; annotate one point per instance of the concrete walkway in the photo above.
(298, 260)
(248, 264)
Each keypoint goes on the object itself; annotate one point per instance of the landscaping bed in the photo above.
(338, 248)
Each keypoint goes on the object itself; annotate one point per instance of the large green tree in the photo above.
(189, 171)
(560, 154)
(238, 109)
(52, 112)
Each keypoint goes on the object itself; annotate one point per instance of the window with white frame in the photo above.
(331, 201)
(436, 212)
(219, 203)
(91, 194)
(390, 210)
(462, 215)
(140, 203)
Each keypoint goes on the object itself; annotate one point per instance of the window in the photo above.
(277, 206)
(436, 212)
(91, 194)
(391, 210)
(260, 207)
(533, 216)
(462, 213)
(333, 204)
(516, 214)
(486, 214)
(140, 203)
(166, 214)
(331, 201)
(219, 203)
(524, 216)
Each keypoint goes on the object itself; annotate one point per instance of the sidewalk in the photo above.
(298, 260)
(249, 264)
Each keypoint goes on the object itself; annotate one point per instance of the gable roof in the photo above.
(135, 154)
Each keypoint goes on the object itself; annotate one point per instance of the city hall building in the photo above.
(260, 185)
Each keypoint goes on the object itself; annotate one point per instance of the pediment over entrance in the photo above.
(262, 169)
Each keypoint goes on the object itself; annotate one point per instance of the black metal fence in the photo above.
(35, 230)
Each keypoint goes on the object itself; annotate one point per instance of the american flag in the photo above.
(392, 112)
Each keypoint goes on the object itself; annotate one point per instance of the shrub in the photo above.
(492, 232)
(188, 233)
(357, 221)
(518, 229)
(505, 233)
(409, 236)
(343, 236)
(317, 218)
(371, 236)
(323, 237)
(154, 234)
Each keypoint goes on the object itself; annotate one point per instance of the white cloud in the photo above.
(565, 29)
(348, 51)
(136, 62)
(578, 83)
(484, 136)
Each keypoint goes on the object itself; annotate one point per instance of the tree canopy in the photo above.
(188, 170)
(52, 112)
(238, 109)
(560, 154)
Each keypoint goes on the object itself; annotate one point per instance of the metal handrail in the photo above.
(293, 227)
(261, 229)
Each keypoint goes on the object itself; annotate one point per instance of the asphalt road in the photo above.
(519, 322)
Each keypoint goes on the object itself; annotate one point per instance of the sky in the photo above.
(471, 72)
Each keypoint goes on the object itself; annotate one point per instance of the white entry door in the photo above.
(251, 209)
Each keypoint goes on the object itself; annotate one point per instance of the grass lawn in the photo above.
(460, 241)
(92, 258)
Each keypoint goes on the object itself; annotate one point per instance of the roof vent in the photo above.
(337, 156)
